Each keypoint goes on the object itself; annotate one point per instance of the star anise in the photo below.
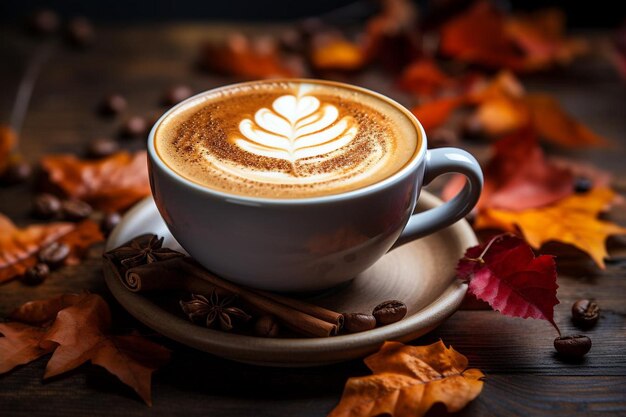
(144, 250)
(213, 310)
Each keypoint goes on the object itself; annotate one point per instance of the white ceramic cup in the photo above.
(308, 243)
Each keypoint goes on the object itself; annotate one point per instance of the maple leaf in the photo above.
(76, 328)
(518, 176)
(506, 274)
(408, 380)
(424, 77)
(435, 113)
(246, 58)
(8, 140)
(332, 51)
(572, 220)
(19, 247)
(110, 184)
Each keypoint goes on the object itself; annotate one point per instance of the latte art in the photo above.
(286, 139)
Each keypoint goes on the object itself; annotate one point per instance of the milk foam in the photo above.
(287, 140)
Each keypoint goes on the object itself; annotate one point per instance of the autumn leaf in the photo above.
(423, 77)
(435, 113)
(245, 57)
(19, 247)
(572, 220)
(332, 51)
(76, 328)
(110, 184)
(506, 274)
(518, 176)
(408, 380)
(8, 140)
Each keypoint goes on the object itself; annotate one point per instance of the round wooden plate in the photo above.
(420, 273)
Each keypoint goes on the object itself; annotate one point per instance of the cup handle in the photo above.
(441, 161)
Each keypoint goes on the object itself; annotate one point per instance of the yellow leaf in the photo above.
(573, 220)
(408, 380)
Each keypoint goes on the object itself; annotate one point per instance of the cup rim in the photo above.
(397, 176)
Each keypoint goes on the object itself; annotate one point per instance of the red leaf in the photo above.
(435, 113)
(424, 77)
(518, 176)
(506, 274)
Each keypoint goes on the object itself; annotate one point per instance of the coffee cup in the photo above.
(294, 241)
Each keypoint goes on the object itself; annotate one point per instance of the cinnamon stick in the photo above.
(163, 275)
(308, 308)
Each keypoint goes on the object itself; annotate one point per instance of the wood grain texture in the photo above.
(524, 376)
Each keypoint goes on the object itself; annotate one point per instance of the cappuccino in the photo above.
(286, 139)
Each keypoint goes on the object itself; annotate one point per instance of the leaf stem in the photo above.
(27, 84)
(480, 258)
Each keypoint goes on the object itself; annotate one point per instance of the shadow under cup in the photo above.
(307, 244)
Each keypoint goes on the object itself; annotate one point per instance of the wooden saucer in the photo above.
(420, 273)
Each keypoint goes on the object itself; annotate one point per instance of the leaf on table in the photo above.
(82, 237)
(423, 77)
(506, 274)
(435, 113)
(110, 184)
(8, 140)
(244, 57)
(79, 332)
(332, 51)
(408, 380)
(518, 176)
(484, 35)
(572, 220)
(392, 37)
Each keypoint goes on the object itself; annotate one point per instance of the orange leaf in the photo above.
(408, 380)
(81, 333)
(424, 77)
(110, 184)
(8, 140)
(246, 58)
(334, 52)
(435, 113)
(19, 247)
(572, 220)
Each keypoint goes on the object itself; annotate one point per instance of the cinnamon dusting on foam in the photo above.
(286, 140)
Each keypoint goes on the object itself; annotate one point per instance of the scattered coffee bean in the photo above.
(44, 22)
(80, 32)
(582, 185)
(102, 147)
(266, 326)
(358, 322)
(442, 137)
(134, 127)
(46, 206)
(109, 221)
(112, 105)
(36, 275)
(176, 94)
(75, 210)
(54, 254)
(389, 312)
(572, 347)
(585, 313)
(16, 172)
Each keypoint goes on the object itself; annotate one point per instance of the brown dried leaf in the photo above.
(111, 184)
(8, 140)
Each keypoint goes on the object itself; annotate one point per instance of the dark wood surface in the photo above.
(524, 376)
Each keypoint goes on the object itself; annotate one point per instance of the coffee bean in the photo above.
(80, 32)
(44, 22)
(36, 275)
(109, 221)
(75, 210)
(442, 137)
(176, 94)
(389, 312)
(46, 206)
(16, 172)
(112, 104)
(582, 185)
(54, 254)
(102, 147)
(134, 127)
(585, 313)
(358, 322)
(266, 326)
(572, 347)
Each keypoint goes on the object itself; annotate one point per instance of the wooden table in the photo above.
(524, 376)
